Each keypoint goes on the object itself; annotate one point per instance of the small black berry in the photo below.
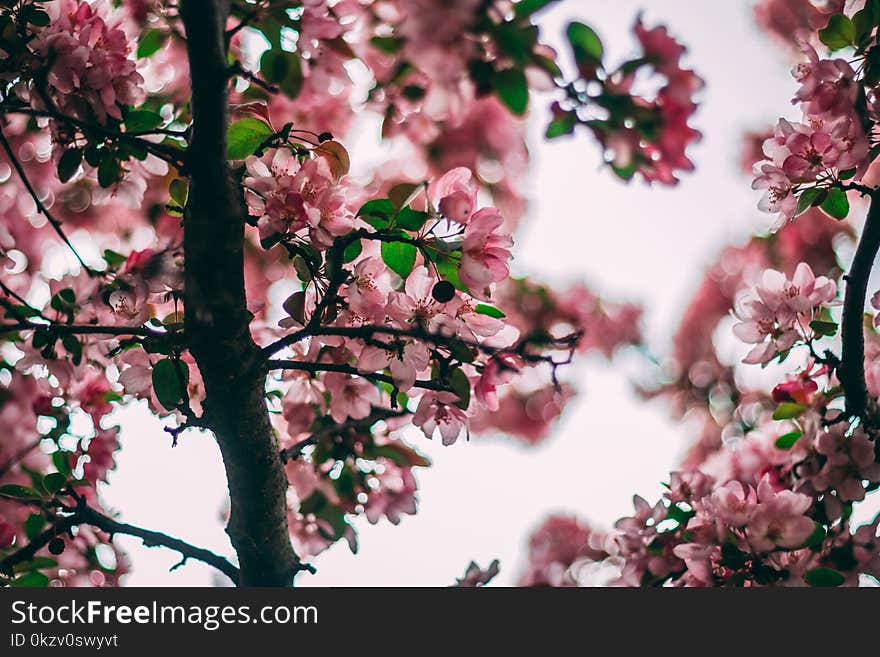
(443, 291)
(56, 545)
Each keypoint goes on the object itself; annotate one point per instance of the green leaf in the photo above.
(114, 260)
(74, 347)
(815, 539)
(63, 300)
(352, 251)
(788, 410)
(679, 515)
(461, 386)
(824, 577)
(410, 219)
(150, 42)
(822, 327)
(54, 482)
(69, 163)
(398, 453)
(787, 440)
(378, 213)
(313, 503)
(400, 257)
(37, 563)
(839, 33)
(245, 136)
(19, 492)
(491, 311)
(863, 21)
(460, 351)
(179, 191)
(138, 120)
(37, 17)
(402, 194)
(585, 46)
(108, 172)
(447, 267)
(61, 461)
(513, 89)
(563, 124)
(34, 525)
(284, 69)
(169, 382)
(386, 44)
(805, 200)
(836, 204)
(525, 8)
(31, 580)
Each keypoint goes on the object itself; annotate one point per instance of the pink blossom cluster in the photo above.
(792, 22)
(827, 146)
(656, 152)
(779, 313)
(89, 72)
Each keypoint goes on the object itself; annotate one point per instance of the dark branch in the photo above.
(86, 329)
(293, 452)
(348, 369)
(18, 456)
(56, 225)
(852, 367)
(85, 515)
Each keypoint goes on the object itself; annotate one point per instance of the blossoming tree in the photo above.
(179, 225)
(765, 494)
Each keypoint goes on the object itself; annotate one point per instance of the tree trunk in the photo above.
(217, 319)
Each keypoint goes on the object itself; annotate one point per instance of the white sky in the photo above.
(481, 499)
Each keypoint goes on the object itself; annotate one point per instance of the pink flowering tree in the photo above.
(181, 225)
(765, 493)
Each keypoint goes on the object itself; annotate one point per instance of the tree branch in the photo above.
(85, 329)
(85, 515)
(293, 452)
(851, 371)
(56, 225)
(303, 366)
(217, 320)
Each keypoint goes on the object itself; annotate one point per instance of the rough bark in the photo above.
(217, 319)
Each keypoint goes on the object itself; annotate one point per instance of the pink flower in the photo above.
(454, 194)
(733, 503)
(556, 545)
(778, 197)
(469, 323)
(394, 496)
(781, 310)
(288, 196)
(875, 304)
(416, 304)
(404, 366)
(368, 291)
(810, 155)
(494, 374)
(485, 252)
(779, 519)
(437, 410)
(350, 397)
(827, 86)
(92, 73)
(7, 533)
(698, 559)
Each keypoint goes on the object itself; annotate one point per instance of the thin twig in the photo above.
(83, 514)
(56, 225)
